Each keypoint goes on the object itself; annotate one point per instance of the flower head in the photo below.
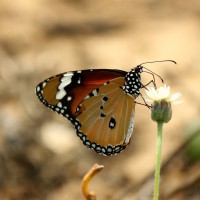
(161, 103)
(162, 93)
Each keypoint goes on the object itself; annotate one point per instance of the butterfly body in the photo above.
(99, 103)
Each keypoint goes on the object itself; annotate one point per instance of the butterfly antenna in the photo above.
(155, 62)
(159, 61)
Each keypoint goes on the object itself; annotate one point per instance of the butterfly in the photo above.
(100, 103)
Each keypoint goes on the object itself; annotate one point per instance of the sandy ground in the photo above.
(40, 154)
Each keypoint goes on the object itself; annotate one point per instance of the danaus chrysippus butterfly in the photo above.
(100, 103)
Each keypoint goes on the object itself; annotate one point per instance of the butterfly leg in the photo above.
(145, 86)
(152, 81)
(153, 75)
(145, 103)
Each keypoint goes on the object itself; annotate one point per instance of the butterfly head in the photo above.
(133, 84)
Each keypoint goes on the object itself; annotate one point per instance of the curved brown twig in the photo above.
(90, 195)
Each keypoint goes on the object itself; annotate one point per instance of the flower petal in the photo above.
(162, 93)
(175, 96)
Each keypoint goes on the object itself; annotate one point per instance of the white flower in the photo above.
(161, 101)
(162, 93)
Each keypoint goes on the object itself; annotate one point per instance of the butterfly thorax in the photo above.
(132, 83)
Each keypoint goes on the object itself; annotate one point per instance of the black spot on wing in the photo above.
(102, 115)
(105, 98)
(112, 123)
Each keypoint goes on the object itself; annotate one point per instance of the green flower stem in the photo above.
(158, 160)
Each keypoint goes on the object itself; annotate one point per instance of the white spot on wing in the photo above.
(69, 98)
(130, 129)
(44, 84)
(68, 74)
(38, 88)
(79, 81)
(59, 105)
(60, 94)
(62, 111)
(112, 124)
(94, 92)
(65, 80)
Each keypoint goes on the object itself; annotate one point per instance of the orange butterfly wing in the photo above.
(105, 120)
(64, 92)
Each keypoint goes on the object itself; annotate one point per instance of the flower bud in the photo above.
(161, 111)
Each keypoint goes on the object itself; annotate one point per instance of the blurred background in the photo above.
(41, 158)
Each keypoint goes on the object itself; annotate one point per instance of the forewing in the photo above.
(64, 92)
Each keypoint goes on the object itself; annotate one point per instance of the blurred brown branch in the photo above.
(90, 195)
